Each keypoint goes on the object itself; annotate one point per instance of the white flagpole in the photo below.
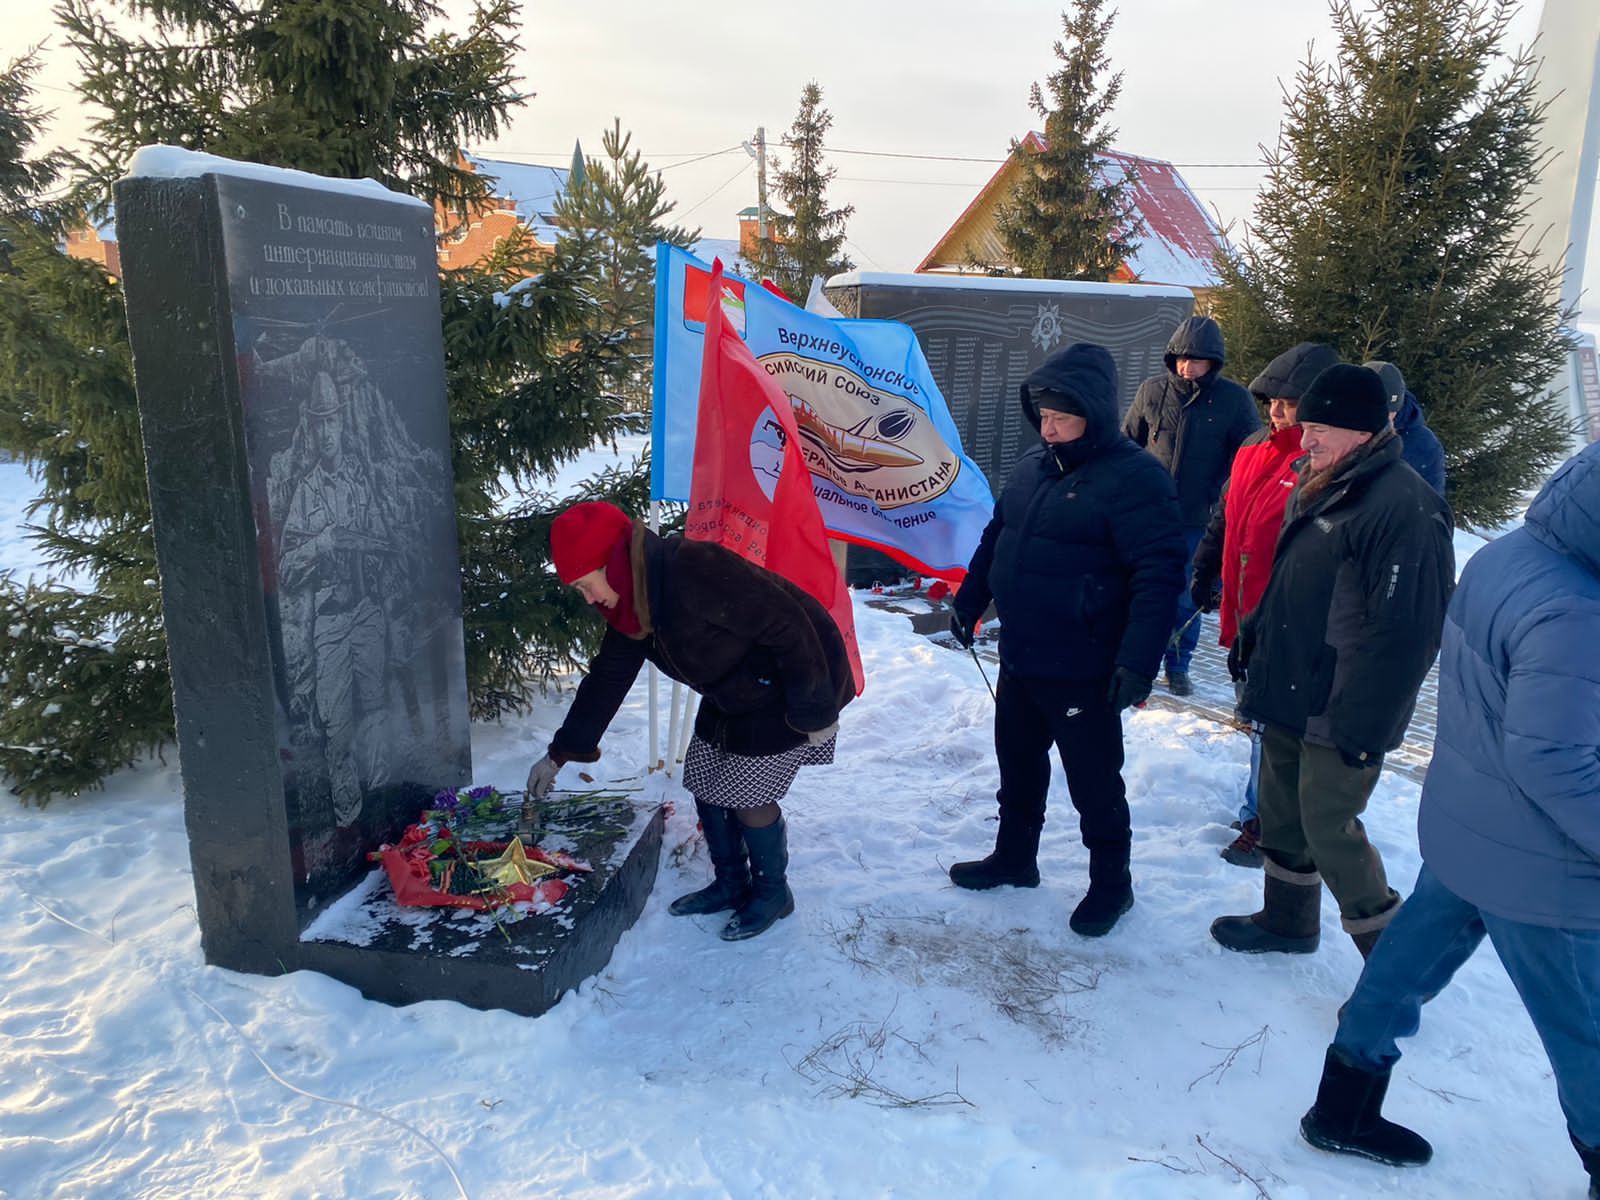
(655, 759)
(691, 704)
(672, 722)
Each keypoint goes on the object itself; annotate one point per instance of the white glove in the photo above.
(818, 737)
(542, 777)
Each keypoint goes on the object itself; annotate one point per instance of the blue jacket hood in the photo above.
(1566, 513)
(1410, 413)
(1088, 373)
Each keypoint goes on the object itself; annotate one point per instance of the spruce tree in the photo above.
(616, 211)
(1389, 224)
(83, 680)
(362, 88)
(1063, 219)
(27, 178)
(808, 240)
(530, 374)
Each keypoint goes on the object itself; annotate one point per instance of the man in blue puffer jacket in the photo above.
(1084, 560)
(1419, 445)
(1509, 828)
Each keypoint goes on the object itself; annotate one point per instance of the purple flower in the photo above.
(447, 801)
(480, 793)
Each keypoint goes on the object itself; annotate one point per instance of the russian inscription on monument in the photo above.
(341, 376)
(290, 375)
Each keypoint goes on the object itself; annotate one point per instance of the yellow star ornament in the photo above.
(513, 866)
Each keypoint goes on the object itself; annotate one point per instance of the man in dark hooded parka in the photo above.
(1194, 421)
(1084, 560)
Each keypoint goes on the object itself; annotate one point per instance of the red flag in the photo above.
(745, 425)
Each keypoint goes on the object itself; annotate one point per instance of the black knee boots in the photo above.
(1347, 1117)
(730, 885)
(770, 898)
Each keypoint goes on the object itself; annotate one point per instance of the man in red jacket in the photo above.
(1235, 554)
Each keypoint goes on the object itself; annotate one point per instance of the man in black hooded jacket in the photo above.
(1194, 421)
(1084, 559)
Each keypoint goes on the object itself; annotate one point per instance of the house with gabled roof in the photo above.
(520, 194)
(1179, 246)
(527, 194)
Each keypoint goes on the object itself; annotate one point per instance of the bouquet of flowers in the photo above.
(452, 857)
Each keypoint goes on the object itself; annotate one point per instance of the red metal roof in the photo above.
(1180, 241)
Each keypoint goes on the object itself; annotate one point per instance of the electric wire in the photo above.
(701, 158)
(405, 1126)
(742, 169)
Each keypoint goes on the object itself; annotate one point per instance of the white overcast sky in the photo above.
(1202, 84)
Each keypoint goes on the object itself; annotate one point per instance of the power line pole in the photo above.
(761, 181)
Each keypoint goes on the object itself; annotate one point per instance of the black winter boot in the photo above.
(770, 898)
(1290, 920)
(1591, 1163)
(1110, 894)
(730, 884)
(1347, 1117)
(1015, 860)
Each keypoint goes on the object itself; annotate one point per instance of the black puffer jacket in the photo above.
(1194, 429)
(1352, 614)
(1084, 557)
(767, 659)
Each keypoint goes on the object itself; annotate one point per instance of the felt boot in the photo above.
(730, 883)
(1290, 920)
(1591, 1163)
(1347, 1117)
(1365, 931)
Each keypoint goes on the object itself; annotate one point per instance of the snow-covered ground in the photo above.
(896, 1037)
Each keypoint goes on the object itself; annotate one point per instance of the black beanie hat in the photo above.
(1066, 402)
(1347, 397)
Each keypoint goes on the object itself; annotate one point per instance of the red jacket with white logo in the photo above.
(1252, 515)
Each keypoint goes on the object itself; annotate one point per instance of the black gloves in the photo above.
(962, 629)
(1244, 644)
(1128, 688)
(1205, 594)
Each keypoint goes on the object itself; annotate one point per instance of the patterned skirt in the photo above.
(726, 780)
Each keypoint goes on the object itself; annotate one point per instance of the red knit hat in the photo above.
(583, 537)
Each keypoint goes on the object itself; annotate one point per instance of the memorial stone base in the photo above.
(520, 962)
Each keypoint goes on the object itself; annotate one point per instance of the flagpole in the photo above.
(672, 723)
(655, 527)
(691, 702)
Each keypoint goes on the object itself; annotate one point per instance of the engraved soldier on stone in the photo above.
(333, 548)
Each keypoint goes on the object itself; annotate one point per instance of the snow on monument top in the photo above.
(174, 162)
(1004, 284)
